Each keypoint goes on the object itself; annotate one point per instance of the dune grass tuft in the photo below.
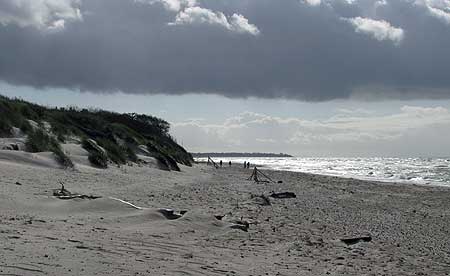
(39, 141)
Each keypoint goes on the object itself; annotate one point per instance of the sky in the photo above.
(305, 77)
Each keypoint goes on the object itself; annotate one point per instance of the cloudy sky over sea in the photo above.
(312, 77)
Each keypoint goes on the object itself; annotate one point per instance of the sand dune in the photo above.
(43, 235)
(41, 159)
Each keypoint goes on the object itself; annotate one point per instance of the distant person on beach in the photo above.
(245, 164)
(248, 165)
(220, 163)
(229, 163)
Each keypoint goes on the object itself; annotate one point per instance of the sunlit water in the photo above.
(433, 171)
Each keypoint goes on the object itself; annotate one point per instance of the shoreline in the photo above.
(267, 168)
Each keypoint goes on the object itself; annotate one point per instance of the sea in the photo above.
(425, 171)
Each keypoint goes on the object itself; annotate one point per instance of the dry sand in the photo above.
(42, 235)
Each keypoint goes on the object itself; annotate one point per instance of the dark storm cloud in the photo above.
(368, 49)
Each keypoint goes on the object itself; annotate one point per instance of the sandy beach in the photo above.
(404, 228)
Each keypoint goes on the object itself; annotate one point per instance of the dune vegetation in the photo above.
(109, 137)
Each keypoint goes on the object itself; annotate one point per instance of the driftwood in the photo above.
(241, 225)
(78, 196)
(219, 217)
(212, 162)
(352, 241)
(65, 194)
(61, 192)
(257, 174)
(283, 195)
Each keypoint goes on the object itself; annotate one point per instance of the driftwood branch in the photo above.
(212, 162)
(255, 176)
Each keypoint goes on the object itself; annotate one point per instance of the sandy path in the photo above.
(40, 235)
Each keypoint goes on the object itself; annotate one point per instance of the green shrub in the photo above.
(172, 163)
(96, 155)
(27, 112)
(98, 159)
(162, 157)
(61, 157)
(88, 145)
(39, 141)
(60, 131)
(131, 155)
(25, 126)
(162, 163)
(116, 153)
(5, 127)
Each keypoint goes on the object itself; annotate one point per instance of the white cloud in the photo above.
(313, 2)
(240, 24)
(439, 9)
(189, 12)
(197, 15)
(380, 3)
(378, 29)
(200, 15)
(57, 25)
(439, 4)
(40, 14)
(411, 129)
(327, 2)
(358, 111)
(440, 14)
(173, 5)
